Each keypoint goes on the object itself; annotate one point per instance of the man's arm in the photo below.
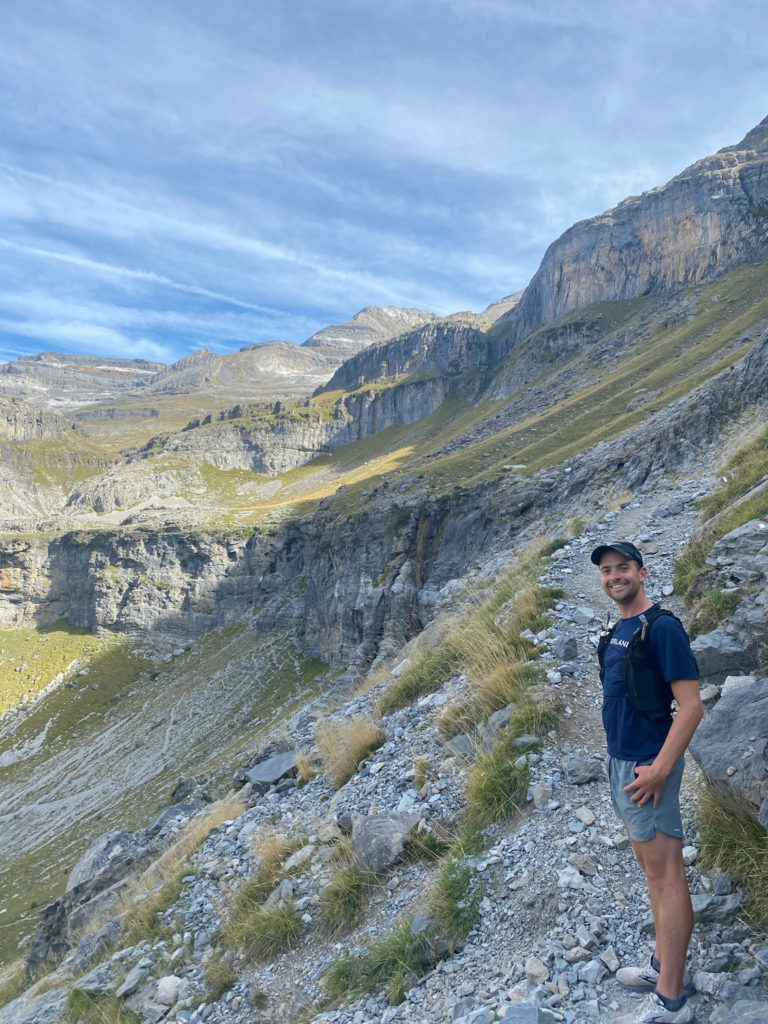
(650, 778)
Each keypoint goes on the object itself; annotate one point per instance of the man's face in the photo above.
(621, 577)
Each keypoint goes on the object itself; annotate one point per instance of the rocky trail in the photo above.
(564, 903)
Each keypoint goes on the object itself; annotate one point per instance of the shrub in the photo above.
(344, 900)
(734, 842)
(344, 744)
(433, 668)
(531, 720)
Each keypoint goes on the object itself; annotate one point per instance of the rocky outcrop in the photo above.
(370, 326)
(710, 218)
(21, 421)
(731, 746)
(67, 381)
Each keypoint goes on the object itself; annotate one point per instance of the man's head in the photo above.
(622, 575)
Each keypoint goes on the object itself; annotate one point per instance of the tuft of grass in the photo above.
(13, 987)
(344, 744)
(433, 668)
(263, 934)
(391, 964)
(219, 977)
(420, 770)
(426, 846)
(733, 842)
(530, 719)
(550, 546)
(712, 610)
(456, 896)
(84, 1008)
(689, 565)
(458, 718)
(142, 920)
(344, 900)
(497, 786)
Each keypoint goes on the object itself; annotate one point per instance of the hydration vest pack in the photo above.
(646, 688)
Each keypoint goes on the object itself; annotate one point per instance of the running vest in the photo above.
(646, 688)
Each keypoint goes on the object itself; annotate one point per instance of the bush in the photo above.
(344, 744)
(434, 667)
(734, 842)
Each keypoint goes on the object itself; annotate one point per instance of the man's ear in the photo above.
(643, 572)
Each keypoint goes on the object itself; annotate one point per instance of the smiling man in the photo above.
(645, 664)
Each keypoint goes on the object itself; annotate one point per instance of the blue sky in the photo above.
(184, 174)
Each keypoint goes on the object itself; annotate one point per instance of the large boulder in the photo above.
(378, 840)
(731, 746)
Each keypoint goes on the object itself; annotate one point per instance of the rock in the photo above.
(584, 863)
(536, 971)
(580, 770)
(168, 989)
(133, 981)
(582, 615)
(542, 794)
(741, 1012)
(565, 648)
(267, 773)
(378, 839)
(708, 908)
(734, 735)
(46, 1008)
(99, 981)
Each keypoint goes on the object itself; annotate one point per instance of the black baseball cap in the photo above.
(622, 546)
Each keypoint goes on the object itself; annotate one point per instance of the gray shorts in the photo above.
(642, 822)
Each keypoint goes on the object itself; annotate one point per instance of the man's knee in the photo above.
(661, 860)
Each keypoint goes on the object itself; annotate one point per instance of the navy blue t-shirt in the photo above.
(631, 736)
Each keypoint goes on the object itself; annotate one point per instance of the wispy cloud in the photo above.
(182, 175)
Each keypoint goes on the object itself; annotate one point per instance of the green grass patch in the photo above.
(433, 668)
(263, 934)
(220, 977)
(456, 896)
(711, 611)
(552, 545)
(391, 964)
(531, 720)
(423, 845)
(736, 843)
(497, 786)
(344, 900)
(84, 1008)
(13, 987)
(745, 469)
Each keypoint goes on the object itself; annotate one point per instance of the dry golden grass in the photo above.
(344, 743)
(272, 847)
(305, 766)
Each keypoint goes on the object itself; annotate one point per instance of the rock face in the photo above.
(731, 745)
(740, 563)
(707, 219)
(370, 326)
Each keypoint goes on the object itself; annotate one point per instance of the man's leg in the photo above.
(661, 859)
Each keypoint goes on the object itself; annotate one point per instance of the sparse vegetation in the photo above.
(427, 674)
(344, 744)
(263, 934)
(390, 963)
(344, 900)
(733, 842)
(456, 895)
(220, 976)
(711, 610)
(13, 986)
(743, 471)
(497, 784)
(84, 1008)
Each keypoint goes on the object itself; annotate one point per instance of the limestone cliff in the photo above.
(706, 220)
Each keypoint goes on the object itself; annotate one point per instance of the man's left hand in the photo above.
(648, 784)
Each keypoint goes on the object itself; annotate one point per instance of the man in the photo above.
(645, 766)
